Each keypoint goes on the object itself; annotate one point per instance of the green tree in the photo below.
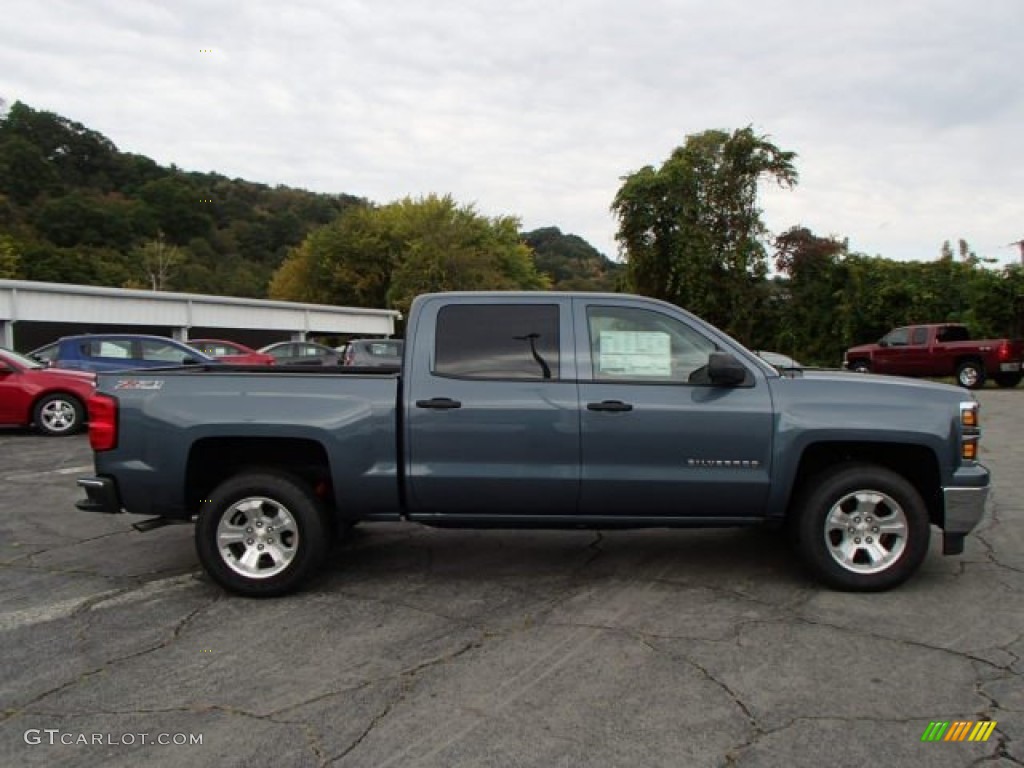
(82, 157)
(691, 231)
(24, 172)
(158, 259)
(571, 262)
(178, 208)
(806, 328)
(10, 261)
(385, 256)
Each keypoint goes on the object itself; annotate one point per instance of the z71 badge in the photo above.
(139, 384)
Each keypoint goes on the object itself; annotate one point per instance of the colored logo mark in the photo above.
(206, 50)
(959, 730)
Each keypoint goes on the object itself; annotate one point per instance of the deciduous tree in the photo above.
(691, 231)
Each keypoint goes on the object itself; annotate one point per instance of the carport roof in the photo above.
(23, 300)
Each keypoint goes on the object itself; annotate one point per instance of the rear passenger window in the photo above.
(497, 341)
(119, 349)
(159, 352)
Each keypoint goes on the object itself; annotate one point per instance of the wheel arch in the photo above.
(212, 459)
(917, 463)
(39, 396)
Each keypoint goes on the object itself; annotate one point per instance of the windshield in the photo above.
(24, 362)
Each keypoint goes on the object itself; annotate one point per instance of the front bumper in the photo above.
(964, 510)
(101, 495)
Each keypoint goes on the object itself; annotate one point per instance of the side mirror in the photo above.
(724, 370)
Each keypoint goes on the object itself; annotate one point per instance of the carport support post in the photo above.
(7, 334)
(298, 336)
(180, 334)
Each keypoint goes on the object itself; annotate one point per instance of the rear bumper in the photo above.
(101, 495)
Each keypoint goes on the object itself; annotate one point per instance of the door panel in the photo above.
(656, 438)
(493, 421)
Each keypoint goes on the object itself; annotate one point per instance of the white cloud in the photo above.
(904, 113)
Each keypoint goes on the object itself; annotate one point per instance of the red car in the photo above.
(53, 399)
(231, 352)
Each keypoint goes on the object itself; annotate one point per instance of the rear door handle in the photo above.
(439, 403)
(610, 405)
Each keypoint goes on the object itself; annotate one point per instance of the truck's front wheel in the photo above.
(261, 534)
(862, 528)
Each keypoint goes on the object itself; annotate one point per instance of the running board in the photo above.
(157, 522)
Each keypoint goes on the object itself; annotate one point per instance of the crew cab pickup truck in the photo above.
(540, 410)
(944, 349)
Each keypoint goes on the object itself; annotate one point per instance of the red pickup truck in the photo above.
(940, 349)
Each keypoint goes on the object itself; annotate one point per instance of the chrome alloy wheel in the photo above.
(257, 537)
(866, 531)
(58, 416)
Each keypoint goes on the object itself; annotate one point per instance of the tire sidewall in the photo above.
(76, 406)
(816, 504)
(302, 504)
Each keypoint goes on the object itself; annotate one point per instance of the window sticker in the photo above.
(635, 353)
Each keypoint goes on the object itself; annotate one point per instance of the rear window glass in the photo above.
(384, 348)
(497, 341)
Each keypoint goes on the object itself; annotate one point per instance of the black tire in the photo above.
(1008, 380)
(58, 414)
(846, 510)
(860, 366)
(249, 560)
(970, 374)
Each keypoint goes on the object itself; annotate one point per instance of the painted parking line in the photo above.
(111, 598)
(15, 476)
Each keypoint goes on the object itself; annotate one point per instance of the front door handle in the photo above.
(610, 405)
(439, 403)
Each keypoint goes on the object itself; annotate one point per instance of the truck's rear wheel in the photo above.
(862, 528)
(970, 374)
(261, 534)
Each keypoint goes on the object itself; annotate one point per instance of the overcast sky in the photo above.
(906, 115)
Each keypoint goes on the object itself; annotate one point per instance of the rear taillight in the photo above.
(1004, 352)
(102, 422)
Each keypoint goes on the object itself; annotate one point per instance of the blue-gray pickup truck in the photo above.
(540, 410)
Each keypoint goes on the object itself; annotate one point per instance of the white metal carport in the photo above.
(86, 308)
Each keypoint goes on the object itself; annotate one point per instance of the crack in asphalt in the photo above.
(29, 555)
(176, 632)
(406, 678)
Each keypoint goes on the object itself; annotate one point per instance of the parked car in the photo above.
(778, 360)
(302, 353)
(373, 353)
(52, 400)
(117, 352)
(231, 352)
(940, 349)
(538, 410)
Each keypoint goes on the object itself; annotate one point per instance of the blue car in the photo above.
(118, 351)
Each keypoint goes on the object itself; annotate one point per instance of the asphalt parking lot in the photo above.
(422, 647)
